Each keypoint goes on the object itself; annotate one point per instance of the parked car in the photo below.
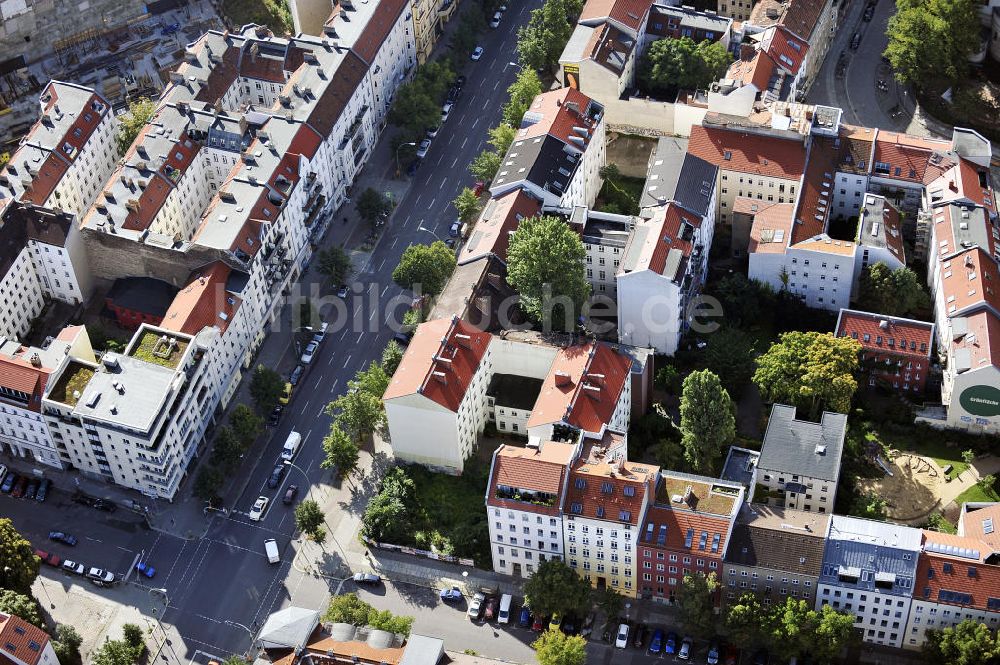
(104, 505)
(296, 375)
(143, 568)
(259, 506)
(63, 537)
(490, 608)
(275, 415)
(73, 567)
(403, 338)
(343, 290)
(495, 21)
(422, 149)
(460, 81)
(524, 619)
(454, 93)
(685, 651)
(310, 352)
(538, 623)
(3, 471)
(456, 226)
(366, 578)
(43, 490)
(29, 491)
(478, 188)
(290, 494)
(670, 646)
(477, 53)
(713, 654)
(19, 486)
(855, 41)
(8, 482)
(445, 112)
(277, 473)
(451, 595)
(318, 335)
(43, 555)
(100, 575)
(286, 394)
(656, 644)
(621, 640)
(476, 606)
(433, 131)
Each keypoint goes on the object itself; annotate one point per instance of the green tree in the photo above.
(747, 621)
(813, 371)
(868, 505)
(371, 205)
(668, 378)
(707, 420)
(386, 620)
(522, 92)
(743, 300)
(246, 424)
(986, 483)
(485, 165)
(830, 631)
(730, 354)
(967, 643)
(334, 263)
(272, 13)
(266, 388)
(131, 123)
(66, 643)
(20, 565)
(555, 587)
(968, 456)
(115, 652)
(227, 451)
(132, 635)
(426, 267)
(21, 605)
(374, 380)
(930, 41)
(696, 604)
(4, 159)
(609, 602)
(893, 292)
(235, 659)
(501, 137)
(358, 413)
(392, 355)
(347, 608)
(207, 483)
(545, 266)
(553, 647)
(542, 40)
(467, 205)
(681, 63)
(415, 110)
(341, 452)
(308, 517)
(389, 514)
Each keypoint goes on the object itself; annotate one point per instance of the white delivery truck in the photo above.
(291, 445)
(504, 615)
(271, 549)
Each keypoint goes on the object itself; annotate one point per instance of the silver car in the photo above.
(476, 606)
(422, 149)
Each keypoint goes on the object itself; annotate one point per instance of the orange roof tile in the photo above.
(203, 302)
(541, 469)
(906, 156)
(910, 338)
(772, 224)
(969, 279)
(678, 522)
(556, 113)
(827, 245)
(982, 340)
(973, 524)
(21, 640)
(440, 362)
(743, 152)
(500, 217)
(582, 388)
(597, 490)
(628, 13)
(938, 572)
(786, 49)
(815, 198)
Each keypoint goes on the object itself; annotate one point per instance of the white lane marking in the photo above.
(454, 162)
(320, 414)
(433, 201)
(382, 263)
(359, 338)
(347, 360)
(332, 356)
(496, 85)
(417, 201)
(384, 290)
(394, 239)
(464, 141)
(374, 312)
(444, 181)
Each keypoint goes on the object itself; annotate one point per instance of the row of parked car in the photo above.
(98, 576)
(24, 487)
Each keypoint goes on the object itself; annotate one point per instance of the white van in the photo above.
(271, 550)
(291, 445)
(504, 615)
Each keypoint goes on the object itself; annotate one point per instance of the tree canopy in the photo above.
(813, 371)
(485, 165)
(707, 420)
(309, 518)
(388, 515)
(358, 413)
(553, 647)
(348, 608)
(730, 355)
(426, 267)
(22, 605)
(266, 388)
(696, 604)
(542, 40)
(66, 643)
(467, 205)
(790, 629)
(967, 643)
(371, 204)
(545, 266)
(341, 452)
(131, 122)
(670, 64)
(555, 587)
(930, 41)
(20, 565)
(334, 263)
(522, 92)
(893, 292)
(417, 106)
(392, 355)
(245, 424)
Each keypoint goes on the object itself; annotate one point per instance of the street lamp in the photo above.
(427, 230)
(411, 144)
(514, 64)
(288, 462)
(236, 624)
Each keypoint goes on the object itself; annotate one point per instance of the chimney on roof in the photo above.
(688, 496)
(596, 378)
(36, 360)
(441, 377)
(594, 392)
(563, 379)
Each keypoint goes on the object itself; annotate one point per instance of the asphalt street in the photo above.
(218, 584)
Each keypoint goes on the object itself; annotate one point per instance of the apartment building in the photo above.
(605, 236)
(662, 271)
(524, 504)
(813, 22)
(686, 531)
(558, 151)
(800, 460)
(42, 257)
(895, 352)
(67, 154)
(775, 554)
(499, 219)
(24, 643)
(869, 570)
(453, 379)
(773, 61)
(880, 236)
(606, 499)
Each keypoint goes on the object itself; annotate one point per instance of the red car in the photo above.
(480, 186)
(539, 623)
(48, 558)
(732, 655)
(19, 487)
(492, 603)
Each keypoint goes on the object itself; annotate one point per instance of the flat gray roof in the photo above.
(800, 447)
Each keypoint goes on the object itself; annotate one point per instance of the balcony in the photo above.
(526, 496)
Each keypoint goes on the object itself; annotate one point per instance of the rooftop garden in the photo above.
(152, 348)
(528, 496)
(70, 386)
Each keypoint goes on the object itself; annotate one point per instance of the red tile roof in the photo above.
(664, 235)
(982, 340)
(203, 302)
(21, 640)
(17, 373)
(378, 27)
(786, 49)
(933, 578)
(970, 279)
(752, 67)
(743, 152)
(582, 388)
(556, 113)
(541, 469)
(815, 198)
(906, 155)
(440, 362)
(678, 522)
(973, 524)
(772, 224)
(910, 338)
(500, 217)
(629, 13)
(586, 495)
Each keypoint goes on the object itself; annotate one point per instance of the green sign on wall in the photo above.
(981, 400)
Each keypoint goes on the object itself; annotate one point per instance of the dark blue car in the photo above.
(524, 619)
(656, 644)
(8, 482)
(671, 645)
